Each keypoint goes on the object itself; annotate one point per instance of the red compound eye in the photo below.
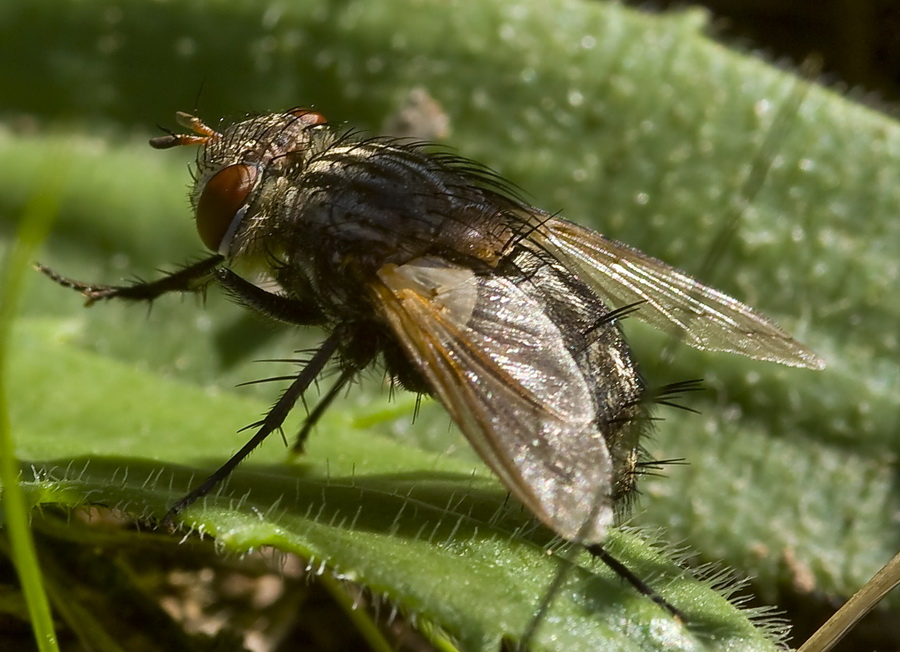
(221, 201)
(308, 117)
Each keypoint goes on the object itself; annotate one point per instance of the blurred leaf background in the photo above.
(639, 125)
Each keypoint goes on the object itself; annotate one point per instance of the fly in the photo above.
(429, 264)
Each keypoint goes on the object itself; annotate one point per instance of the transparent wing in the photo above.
(500, 366)
(670, 299)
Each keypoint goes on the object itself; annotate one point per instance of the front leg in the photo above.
(191, 278)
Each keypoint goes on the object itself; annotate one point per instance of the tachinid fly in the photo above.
(427, 263)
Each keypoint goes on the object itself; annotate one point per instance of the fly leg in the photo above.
(281, 308)
(191, 278)
(598, 552)
(323, 404)
(271, 305)
(292, 311)
(636, 582)
(269, 424)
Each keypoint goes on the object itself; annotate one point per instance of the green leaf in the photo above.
(639, 125)
(428, 533)
(17, 542)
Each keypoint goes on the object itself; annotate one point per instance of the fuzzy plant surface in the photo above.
(780, 192)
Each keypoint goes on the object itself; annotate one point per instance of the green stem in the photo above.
(32, 230)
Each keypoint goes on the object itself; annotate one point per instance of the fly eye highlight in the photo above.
(223, 203)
